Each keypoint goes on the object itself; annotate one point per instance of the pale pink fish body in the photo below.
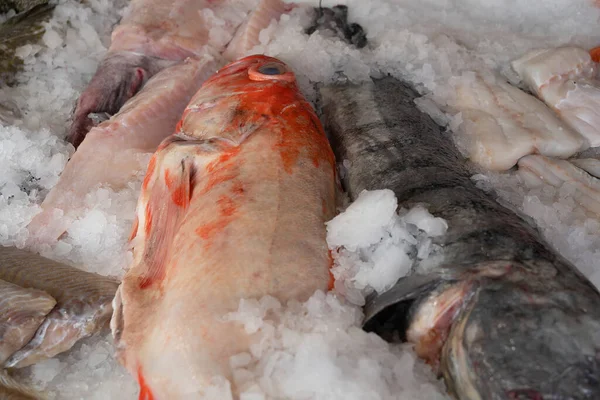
(117, 150)
(157, 33)
(233, 206)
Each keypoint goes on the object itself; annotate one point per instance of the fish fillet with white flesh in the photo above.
(580, 174)
(155, 34)
(501, 124)
(565, 79)
(116, 151)
(233, 207)
(494, 311)
(76, 304)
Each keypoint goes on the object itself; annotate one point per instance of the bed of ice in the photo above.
(313, 350)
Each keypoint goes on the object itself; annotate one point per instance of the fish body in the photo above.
(233, 207)
(83, 304)
(565, 79)
(22, 311)
(494, 311)
(118, 149)
(153, 35)
(11, 389)
(502, 123)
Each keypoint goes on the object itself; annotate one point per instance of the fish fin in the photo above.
(11, 389)
(167, 192)
(118, 78)
(401, 296)
(246, 36)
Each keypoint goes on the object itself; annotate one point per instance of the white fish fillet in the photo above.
(536, 170)
(564, 78)
(246, 36)
(115, 151)
(22, 311)
(501, 124)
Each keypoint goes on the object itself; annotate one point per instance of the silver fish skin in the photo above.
(22, 311)
(83, 303)
(496, 313)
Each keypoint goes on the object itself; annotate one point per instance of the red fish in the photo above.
(233, 207)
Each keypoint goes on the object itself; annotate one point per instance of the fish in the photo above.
(233, 206)
(11, 389)
(580, 173)
(335, 20)
(501, 123)
(83, 304)
(22, 311)
(124, 142)
(19, 30)
(565, 79)
(19, 6)
(155, 34)
(494, 311)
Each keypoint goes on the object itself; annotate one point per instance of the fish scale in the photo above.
(494, 311)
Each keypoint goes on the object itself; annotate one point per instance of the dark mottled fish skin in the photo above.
(512, 320)
(24, 28)
(336, 20)
(83, 303)
(10, 389)
(19, 5)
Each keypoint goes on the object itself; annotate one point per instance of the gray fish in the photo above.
(24, 28)
(22, 311)
(335, 20)
(10, 389)
(19, 5)
(83, 303)
(496, 312)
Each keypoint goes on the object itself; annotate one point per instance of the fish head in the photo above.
(244, 96)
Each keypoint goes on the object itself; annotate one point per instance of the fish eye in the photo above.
(271, 69)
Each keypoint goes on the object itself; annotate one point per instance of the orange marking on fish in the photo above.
(168, 178)
(209, 230)
(228, 207)
(595, 54)
(136, 223)
(180, 197)
(148, 219)
(149, 172)
(145, 392)
(223, 158)
(331, 283)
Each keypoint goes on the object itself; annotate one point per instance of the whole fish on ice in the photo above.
(46, 306)
(565, 79)
(155, 34)
(494, 311)
(117, 150)
(233, 206)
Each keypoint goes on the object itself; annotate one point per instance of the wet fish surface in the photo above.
(83, 303)
(496, 312)
(10, 389)
(233, 207)
(156, 34)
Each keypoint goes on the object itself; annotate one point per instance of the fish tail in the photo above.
(11, 389)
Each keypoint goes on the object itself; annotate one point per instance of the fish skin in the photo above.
(10, 389)
(22, 311)
(496, 312)
(151, 36)
(24, 28)
(233, 207)
(83, 303)
(335, 20)
(124, 142)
